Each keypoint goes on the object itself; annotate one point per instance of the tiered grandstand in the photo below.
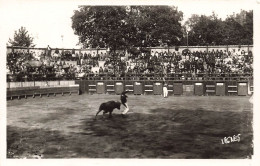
(222, 63)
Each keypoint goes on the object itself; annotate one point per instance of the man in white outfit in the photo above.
(165, 90)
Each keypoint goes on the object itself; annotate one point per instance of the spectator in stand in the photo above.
(101, 70)
(56, 55)
(218, 61)
(73, 55)
(48, 50)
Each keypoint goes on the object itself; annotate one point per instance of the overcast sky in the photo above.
(47, 21)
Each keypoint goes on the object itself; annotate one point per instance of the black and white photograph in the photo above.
(129, 80)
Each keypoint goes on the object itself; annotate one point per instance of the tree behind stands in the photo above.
(21, 38)
(124, 27)
(236, 29)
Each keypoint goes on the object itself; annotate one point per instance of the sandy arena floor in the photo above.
(156, 127)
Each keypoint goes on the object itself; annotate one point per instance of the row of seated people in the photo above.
(153, 63)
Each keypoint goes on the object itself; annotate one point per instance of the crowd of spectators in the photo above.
(30, 65)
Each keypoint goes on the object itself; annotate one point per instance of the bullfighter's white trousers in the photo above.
(126, 109)
(165, 92)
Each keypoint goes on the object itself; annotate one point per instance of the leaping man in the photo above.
(124, 102)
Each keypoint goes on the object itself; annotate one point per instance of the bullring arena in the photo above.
(126, 81)
(201, 118)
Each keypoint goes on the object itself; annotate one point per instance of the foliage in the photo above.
(156, 25)
(236, 29)
(100, 26)
(124, 27)
(22, 38)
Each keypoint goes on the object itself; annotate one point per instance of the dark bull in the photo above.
(108, 107)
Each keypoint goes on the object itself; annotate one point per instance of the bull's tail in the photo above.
(99, 110)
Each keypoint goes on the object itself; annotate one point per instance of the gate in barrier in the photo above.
(119, 87)
(198, 88)
(157, 88)
(177, 88)
(100, 87)
(220, 88)
(138, 88)
(242, 88)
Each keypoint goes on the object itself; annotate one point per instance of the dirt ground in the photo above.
(175, 127)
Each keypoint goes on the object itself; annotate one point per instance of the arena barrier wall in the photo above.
(119, 87)
(178, 87)
(129, 85)
(148, 87)
(220, 88)
(198, 88)
(251, 87)
(40, 91)
(242, 88)
(110, 87)
(170, 87)
(40, 83)
(15, 84)
(34, 88)
(138, 87)
(210, 88)
(101, 87)
(158, 88)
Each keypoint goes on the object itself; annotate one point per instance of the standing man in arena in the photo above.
(165, 90)
(124, 102)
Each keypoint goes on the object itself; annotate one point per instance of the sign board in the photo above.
(100, 83)
(157, 83)
(198, 83)
(119, 83)
(137, 83)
